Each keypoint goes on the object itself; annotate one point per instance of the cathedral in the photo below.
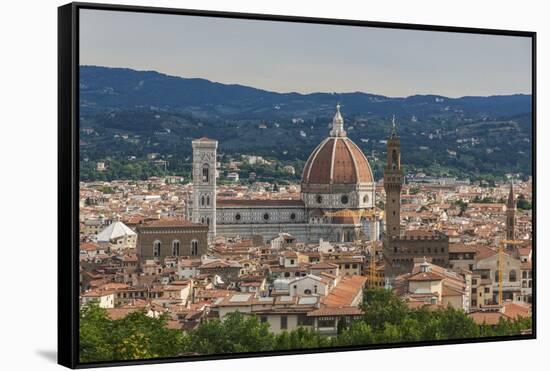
(336, 204)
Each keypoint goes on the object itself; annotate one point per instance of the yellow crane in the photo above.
(500, 265)
(372, 273)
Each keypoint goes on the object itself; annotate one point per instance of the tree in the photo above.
(381, 306)
(136, 336)
(236, 333)
(523, 204)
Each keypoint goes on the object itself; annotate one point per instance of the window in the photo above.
(205, 174)
(365, 198)
(474, 290)
(156, 248)
(344, 199)
(238, 217)
(307, 292)
(474, 303)
(524, 274)
(394, 159)
(496, 276)
(208, 200)
(263, 319)
(319, 199)
(284, 322)
(474, 281)
(175, 248)
(326, 322)
(304, 320)
(291, 261)
(486, 290)
(292, 216)
(202, 200)
(207, 221)
(513, 276)
(194, 247)
(346, 266)
(266, 216)
(315, 288)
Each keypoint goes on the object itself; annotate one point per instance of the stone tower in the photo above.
(204, 184)
(393, 179)
(511, 215)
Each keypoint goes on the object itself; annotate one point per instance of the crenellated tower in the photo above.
(511, 214)
(393, 182)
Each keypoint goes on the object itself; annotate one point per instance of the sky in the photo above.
(305, 58)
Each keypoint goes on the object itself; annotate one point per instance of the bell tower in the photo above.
(511, 215)
(204, 184)
(393, 180)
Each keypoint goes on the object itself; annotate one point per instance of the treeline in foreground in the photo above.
(386, 320)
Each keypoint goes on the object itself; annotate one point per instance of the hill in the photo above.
(134, 113)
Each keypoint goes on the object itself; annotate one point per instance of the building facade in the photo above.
(165, 238)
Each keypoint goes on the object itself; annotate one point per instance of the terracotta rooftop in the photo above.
(335, 311)
(345, 291)
(171, 223)
(238, 202)
(425, 276)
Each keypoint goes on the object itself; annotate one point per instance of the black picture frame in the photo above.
(68, 177)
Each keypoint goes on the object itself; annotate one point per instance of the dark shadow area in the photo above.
(50, 355)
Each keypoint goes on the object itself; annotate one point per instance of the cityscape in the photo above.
(304, 256)
(254, 186)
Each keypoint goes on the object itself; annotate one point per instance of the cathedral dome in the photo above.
(337, 160)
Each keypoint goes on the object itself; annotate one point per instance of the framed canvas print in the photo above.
(242, 185)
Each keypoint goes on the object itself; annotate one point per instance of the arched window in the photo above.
(202, 220)
(496, 275)
(207, 200)
(307, 292)
(175, 248)
(156, 248)
(513, 276)
(394, 161)
(194, 247)
(524, 274)
(205, 173)
(207, 221)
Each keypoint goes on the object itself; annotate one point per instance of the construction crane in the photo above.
(501, 264)
(372, 273)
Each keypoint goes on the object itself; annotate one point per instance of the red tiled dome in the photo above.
(337, 160)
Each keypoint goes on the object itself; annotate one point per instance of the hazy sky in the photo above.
(282, 56)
